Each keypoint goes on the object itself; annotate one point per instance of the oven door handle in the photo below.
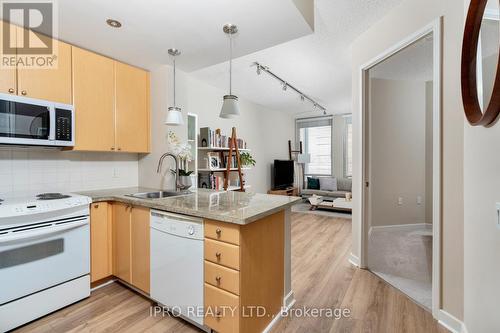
(36, 233)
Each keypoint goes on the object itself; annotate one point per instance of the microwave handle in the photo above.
(23, 236)
(52, 123)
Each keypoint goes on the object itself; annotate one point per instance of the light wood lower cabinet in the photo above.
(121, 242)
(140, 247)
(101, 265)
(242, 277)
(131, 245)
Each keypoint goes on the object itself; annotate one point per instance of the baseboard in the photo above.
(288, 302)
(399, 226)
(451, 323)
(354, 260)
(101, 283)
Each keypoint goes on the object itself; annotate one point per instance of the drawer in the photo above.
(225, 232)
(222, 277)
(222, 253)
(222, 310)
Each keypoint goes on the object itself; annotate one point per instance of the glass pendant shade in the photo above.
(230, 108)
(174, 116)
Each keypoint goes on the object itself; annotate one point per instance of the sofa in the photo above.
(344, 185)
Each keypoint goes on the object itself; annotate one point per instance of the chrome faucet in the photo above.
(176, 172)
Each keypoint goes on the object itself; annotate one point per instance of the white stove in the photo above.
(44, 255)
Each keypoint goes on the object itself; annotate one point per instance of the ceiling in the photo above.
(318, 64)
(151, 27)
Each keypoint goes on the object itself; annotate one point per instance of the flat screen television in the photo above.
(282, 174)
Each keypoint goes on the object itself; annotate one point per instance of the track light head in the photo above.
(285, 85)
(258, 70)
(302, 98)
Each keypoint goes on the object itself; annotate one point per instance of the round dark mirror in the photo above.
(480, 61)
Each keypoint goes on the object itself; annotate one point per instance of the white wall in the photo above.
(38, 169)
(266, 131)
(404, 20)
(398, 151)
(481, 235)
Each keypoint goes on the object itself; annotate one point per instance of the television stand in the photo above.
(290, 191)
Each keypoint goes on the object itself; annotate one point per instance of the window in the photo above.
(316, 137)
(348, 148)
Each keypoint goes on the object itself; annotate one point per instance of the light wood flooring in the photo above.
(321, 278)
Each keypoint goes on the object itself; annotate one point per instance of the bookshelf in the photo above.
(219, 161)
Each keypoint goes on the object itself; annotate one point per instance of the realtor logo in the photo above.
(28, 41)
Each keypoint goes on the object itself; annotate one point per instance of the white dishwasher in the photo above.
(177, 264)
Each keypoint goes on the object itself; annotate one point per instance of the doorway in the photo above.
(401, 166)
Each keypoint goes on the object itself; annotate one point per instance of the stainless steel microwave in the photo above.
(29, 121)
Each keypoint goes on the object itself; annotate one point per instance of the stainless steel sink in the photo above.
(157, 194)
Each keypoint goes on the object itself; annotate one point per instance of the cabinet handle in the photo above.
(218, 232)
(119, 148)
(218, 314)
(11, 90)
(218, 254)
(23, 92)
(112, 148)
(96, 206)
(218, 278)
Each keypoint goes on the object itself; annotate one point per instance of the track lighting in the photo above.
(285, 85)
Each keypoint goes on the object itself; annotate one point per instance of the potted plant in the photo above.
(183, 153)
(247, 159)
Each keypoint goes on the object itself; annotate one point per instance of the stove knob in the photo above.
(190, 230)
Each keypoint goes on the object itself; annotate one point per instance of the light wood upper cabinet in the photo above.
(93, 86)
(100, 241)
(8, 83)
(121, 241)
(131, 108)
(140, 253)
(52, 84)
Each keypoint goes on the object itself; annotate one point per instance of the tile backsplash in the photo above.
(36, 170)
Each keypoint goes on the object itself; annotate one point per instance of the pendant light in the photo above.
(174, 115)
(230, 107)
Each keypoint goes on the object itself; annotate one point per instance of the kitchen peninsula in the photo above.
(246, 250)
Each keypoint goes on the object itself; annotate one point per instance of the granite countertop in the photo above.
(233, 207)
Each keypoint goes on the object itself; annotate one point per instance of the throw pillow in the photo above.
(312, 183)
(328, 184)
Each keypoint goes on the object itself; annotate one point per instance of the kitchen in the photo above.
(83, 205)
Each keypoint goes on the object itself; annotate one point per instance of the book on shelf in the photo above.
(215, 139)
(211, 181)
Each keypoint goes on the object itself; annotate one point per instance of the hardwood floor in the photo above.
(321, 278)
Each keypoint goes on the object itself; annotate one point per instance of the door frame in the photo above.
(435, 28)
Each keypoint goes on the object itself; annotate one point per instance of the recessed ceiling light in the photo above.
(113, 23)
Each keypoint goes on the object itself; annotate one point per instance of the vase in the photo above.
(185, 182)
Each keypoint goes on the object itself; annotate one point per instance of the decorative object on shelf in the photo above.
(481, 94)
(285, 85)
(214, 161)
(233, 146)
(247, 159)
(174, 114)
(230, 106)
